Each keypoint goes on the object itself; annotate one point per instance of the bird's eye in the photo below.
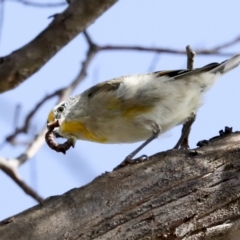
(60, 109)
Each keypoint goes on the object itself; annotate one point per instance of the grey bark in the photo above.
(22, 63)
(177, 194)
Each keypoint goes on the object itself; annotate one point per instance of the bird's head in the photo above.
(57, 113)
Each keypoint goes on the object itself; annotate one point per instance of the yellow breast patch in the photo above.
(77, 128)
(51, 117)
(128, 111)
(134, 111)
(114, 104)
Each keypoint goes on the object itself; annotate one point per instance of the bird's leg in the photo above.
(183, 140)
(129, 159)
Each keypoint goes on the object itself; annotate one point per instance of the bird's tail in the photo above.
(227, 65)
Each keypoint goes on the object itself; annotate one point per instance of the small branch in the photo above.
(190, 57)
(33, 147)
(25, 127)
(211, 51)
(91, 53)
(10, 168)
(88, 39)
(227, 44)
(165, 50)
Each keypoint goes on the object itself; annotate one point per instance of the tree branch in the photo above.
(227, 44)
(26, 125)
(21, 64)
(177, 194)
(62, 93)
(190, 57)
(9, 166)
(211, 51)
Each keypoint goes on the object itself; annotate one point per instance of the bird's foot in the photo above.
(128, 160)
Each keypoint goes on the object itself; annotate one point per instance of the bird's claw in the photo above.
(128, 160)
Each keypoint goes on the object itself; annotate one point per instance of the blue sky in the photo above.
(171, 24)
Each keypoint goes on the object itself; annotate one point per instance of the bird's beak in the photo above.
(51, 117)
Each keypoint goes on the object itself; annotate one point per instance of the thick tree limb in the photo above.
(19, 65)
(177, 194)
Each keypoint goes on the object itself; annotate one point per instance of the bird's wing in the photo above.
(179, 74)
(107, 86)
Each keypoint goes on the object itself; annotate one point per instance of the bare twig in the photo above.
(10, 168)
(33, 147)
(25, 127)
(211, 51)
(227, 44)
(190, 57)
(92, 51)
(88, 39)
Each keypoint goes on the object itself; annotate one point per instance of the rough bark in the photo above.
(22, 63)
(177, 194)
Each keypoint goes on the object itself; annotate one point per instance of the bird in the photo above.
(136, 107)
